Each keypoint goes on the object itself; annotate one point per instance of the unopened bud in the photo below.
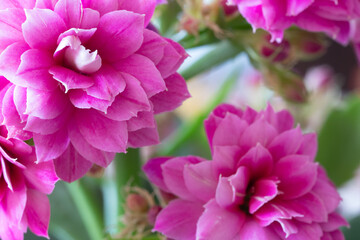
(136, 203)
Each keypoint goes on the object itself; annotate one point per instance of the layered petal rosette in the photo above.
(86, 78)
(24, 186)
(262, 183)
(329, 16)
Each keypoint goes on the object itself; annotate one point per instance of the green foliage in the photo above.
(339, 138)
(353, 233)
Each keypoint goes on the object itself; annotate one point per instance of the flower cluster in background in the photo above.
(91, 94)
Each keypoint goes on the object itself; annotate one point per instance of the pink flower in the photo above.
(262, 183)
(23, 189)
(86, 78)
(329, 16)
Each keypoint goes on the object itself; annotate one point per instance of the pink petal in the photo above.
(310, 206)
(50, 4)
(45, 105)
(252, 230)
(119, 35)
(149, 76)
(145, 7)
(81, 100)
(49, 147)
(215, 118)
(174, 56)
(325, 189)
(90, 18)
(309, 145)
(10, 26)
(103, 6)
(281, 120)
(38, 212)
(16, 4)
(34, 70)
(200, 180)
(70, 79)
(42, 28)
(71, 11)
(295, 7)
(225, 159)
(90, 153)
(20, 102)
(13, 204)
(231, 191)
(9, 111)
(71, 166)
(41, 176)
(102, 133)
(108, 83)
(175, 95)
(154, 172)
(273, 211)
(152, 46)
(178, 219)
(258, 160)
(142, 120)
(173, 173)
(10, 61)
(286, 143)
(217, 223)
(334, 222)
(131, 101)
(297, 175)
(265, 191)
(144, 137)
(48, 126)
(229, 131)
(260, 132)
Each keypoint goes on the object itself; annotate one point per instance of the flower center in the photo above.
(77, 57)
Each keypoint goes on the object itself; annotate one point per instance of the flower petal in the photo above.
(119, 35)
(38, 212)
(178, 219)
(71, 166)
(217, 223)
(102, 133)
(173, 97)
(42, 28)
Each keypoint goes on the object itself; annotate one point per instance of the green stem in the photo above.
(128, 169)
(186, 130)
(89, 211)
(221, 53)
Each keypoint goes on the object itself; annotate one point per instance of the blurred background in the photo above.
(315, 78)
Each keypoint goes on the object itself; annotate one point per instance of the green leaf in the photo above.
(339, 140)
(353, 233)
(217, 55)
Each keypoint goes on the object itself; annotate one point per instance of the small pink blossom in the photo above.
(262, 183)
(86, 78)
(23, 189)
(329, 16)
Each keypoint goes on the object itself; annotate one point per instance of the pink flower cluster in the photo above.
(85, 78)
(24, 186)
(329, 16)
(262, 183)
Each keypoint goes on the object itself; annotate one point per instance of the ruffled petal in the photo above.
(42, 28)
(178, 219)
(217, 223)
(71, 166)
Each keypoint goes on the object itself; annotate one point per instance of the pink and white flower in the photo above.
(329, 16)
(24, 186)
(86, 78)
(262, 183)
